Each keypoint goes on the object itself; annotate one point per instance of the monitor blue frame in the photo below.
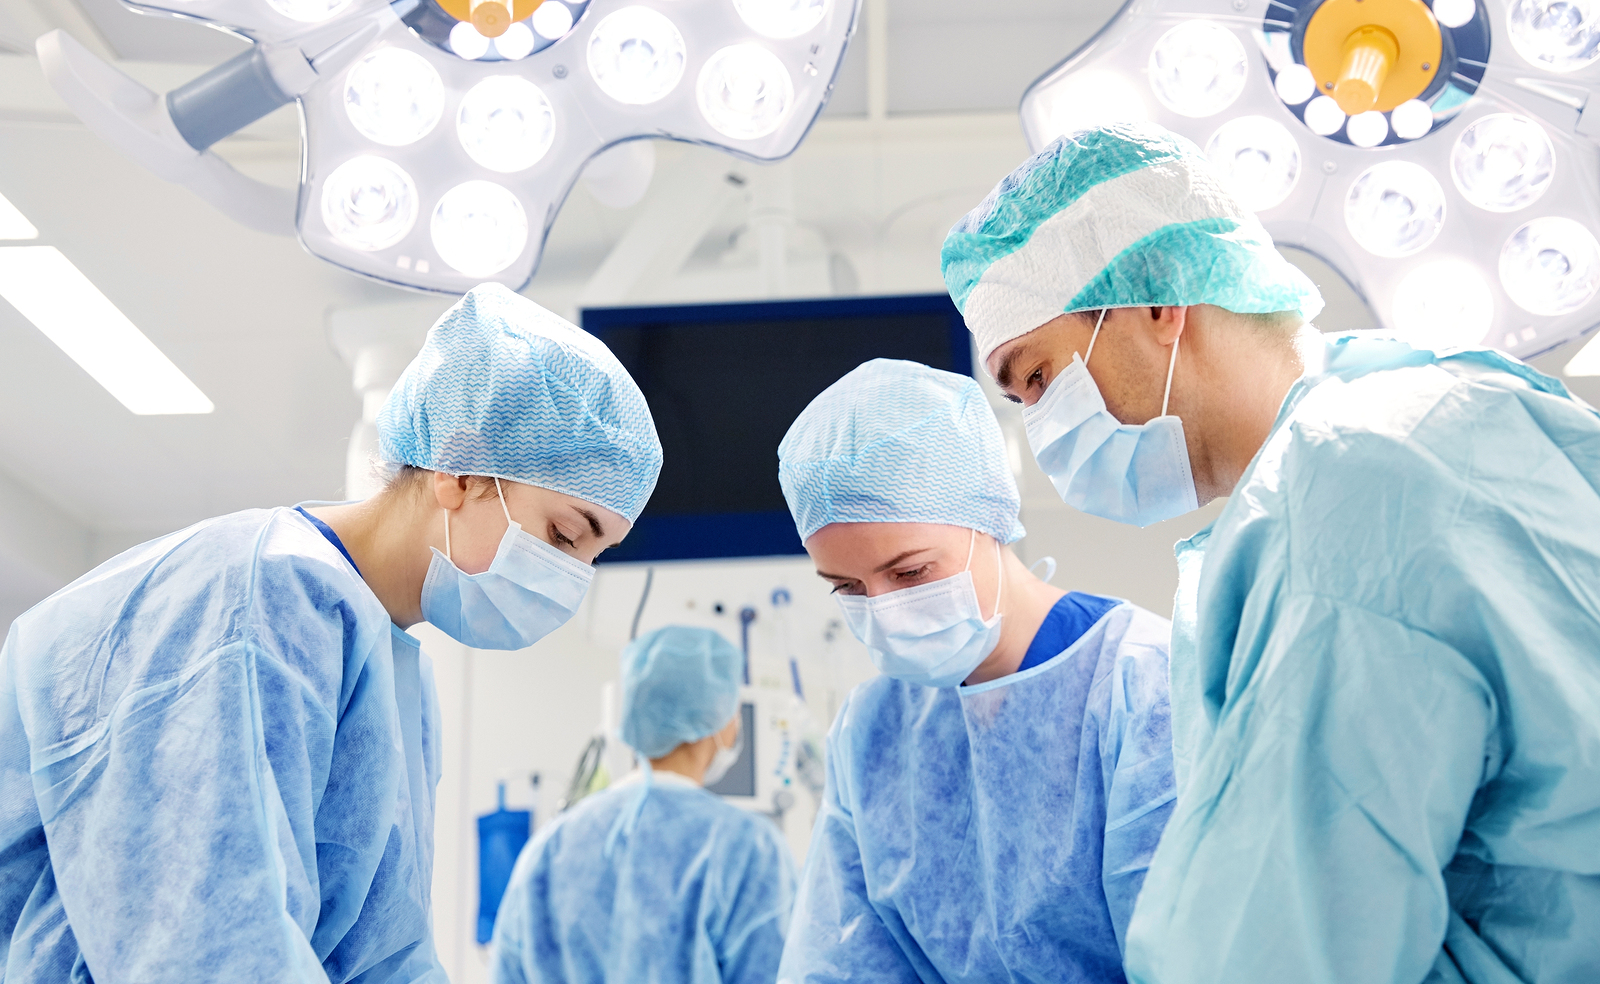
(752, 534)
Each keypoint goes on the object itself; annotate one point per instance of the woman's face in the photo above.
(574, 526)
(876, 558)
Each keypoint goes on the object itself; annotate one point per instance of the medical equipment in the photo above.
(1440, 157)
(441, 136)
(501, 835)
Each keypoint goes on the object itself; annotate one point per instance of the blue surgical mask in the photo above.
(932, 634)
(1132, 473)
(530, 590)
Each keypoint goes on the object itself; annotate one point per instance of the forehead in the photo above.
(858, 549)
(551, 500)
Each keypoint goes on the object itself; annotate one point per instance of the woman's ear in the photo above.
(449, 491)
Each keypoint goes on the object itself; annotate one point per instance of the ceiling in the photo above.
(245, 315)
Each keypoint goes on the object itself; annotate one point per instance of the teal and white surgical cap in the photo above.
(1121, 215)
(679, 684)
(898, 442)
(505, 389)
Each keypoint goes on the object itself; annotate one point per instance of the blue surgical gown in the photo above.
(681, 888)
(217, 763)
(992, 833)
(1389, 642)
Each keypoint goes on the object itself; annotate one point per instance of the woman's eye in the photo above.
(913, 574)
(844, 587)
(561, 538)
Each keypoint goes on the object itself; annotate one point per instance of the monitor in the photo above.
(725, 381)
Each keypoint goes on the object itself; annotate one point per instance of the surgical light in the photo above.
(1198, 69)
(636, 55)
(50, 291)
(1295, 85)
(394, 97)
(424, 120)
(13, 224)
(1395, 208)
(1444, 303)
(1257, 159)
(1368, 129)
(1561, 35)
(1089, 99)
(506, 123)
(1324, 117)
(479, 228)
(744, 91)
(309, 11)
(1411, 119)
(1551, 266)
(1454, 13)
(369, 203)
(1502, 162)
(781, 18)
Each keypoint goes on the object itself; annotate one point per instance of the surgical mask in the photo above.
(1132, 473)
(723, 760)
(932, 634)
(529, 591)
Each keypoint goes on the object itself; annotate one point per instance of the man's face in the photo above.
(1026, 366)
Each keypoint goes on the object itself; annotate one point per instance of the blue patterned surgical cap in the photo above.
(505, 389)
(1115, 216)
(898, 442)
(679, 684)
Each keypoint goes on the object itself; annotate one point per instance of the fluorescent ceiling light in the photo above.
(13, 224)
(1587, 361)
(61, 302)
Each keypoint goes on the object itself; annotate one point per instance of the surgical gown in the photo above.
(217, 763)
(991, 833)
(1390, 639)
(682, 888)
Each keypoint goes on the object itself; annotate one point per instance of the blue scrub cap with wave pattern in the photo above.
(679, 684)
(503, 388)
(1121, 215)
(898, 442)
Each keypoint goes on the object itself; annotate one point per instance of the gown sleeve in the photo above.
(837, 935)
(760, 903)
(1136, 766)
(1310, 843)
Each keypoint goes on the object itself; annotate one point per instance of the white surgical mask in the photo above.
(529, 591)
(723, 760)
(932, 634)
(1132, 473)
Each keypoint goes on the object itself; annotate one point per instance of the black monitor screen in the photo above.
(725, 381)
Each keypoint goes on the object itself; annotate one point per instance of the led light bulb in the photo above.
(506, 123)
(1444, 304)
(1257, 159)
(1411, 119)
(1503, 162)
(1561, 35)
(1455, 13)
(394, 97)
(369, 203)
(467, 42)
(479, 228)
(552, 19)
(308, 11)
(636, 55)
(516, 44)
(1551, 266)
(1367, 129)
(1295, 84)
(1198, 69)
(1395, 208)
(744, 91)
(1323, 116)
(781, 18)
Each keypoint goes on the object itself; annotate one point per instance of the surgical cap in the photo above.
(679, 684)
(505, 389)
(1121, 215)
(898, 442)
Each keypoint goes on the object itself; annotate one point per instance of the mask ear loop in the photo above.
(1000, 568)
(1096, 336)
(499, 492)
(447, 537)
(1170, 366)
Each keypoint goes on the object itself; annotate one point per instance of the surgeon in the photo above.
(655, 879)
(1386, 656)
(993, 799)
(218, 750)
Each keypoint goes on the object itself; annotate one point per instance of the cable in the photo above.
(649, 577)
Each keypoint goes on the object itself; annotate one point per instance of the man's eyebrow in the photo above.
(1003, 377)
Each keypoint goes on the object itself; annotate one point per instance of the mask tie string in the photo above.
(1096, 336)
(1172, 364)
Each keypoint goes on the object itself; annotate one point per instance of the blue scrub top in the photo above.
(217, 762)
(993, 833)
(1386, 673)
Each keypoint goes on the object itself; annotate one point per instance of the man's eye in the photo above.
(1036, 378)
